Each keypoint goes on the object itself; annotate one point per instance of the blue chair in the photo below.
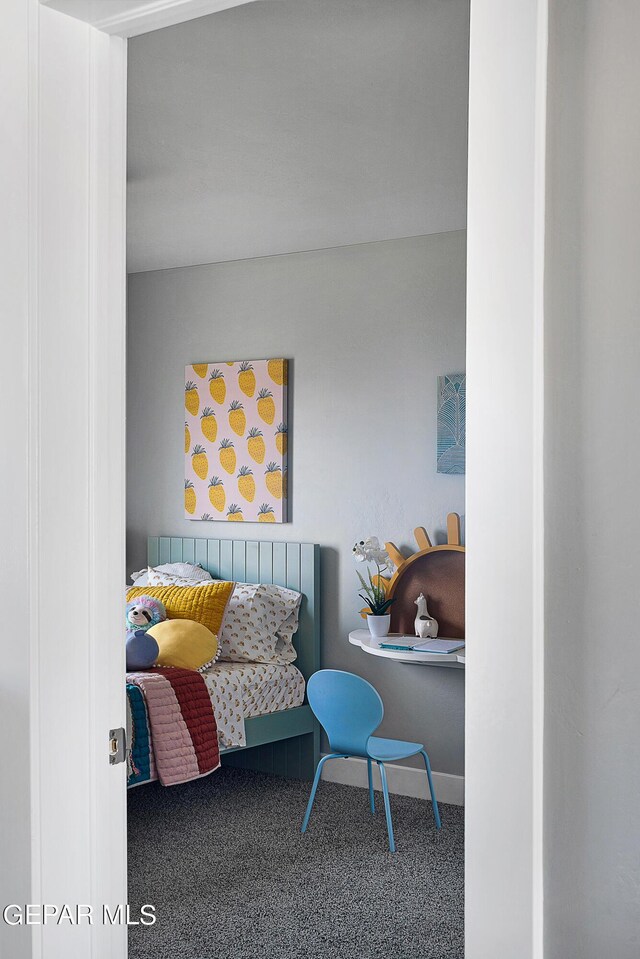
(349, 709)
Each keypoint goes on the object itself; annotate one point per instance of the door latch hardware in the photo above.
(117, 745)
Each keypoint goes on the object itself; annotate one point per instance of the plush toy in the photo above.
(142, 649)
(143, 613)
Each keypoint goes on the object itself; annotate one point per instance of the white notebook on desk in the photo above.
(442, 646)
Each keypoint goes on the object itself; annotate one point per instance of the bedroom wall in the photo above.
(367, 329)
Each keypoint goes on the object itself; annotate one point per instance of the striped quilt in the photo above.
(173, 735)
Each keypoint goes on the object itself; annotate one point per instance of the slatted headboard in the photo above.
(295, 565)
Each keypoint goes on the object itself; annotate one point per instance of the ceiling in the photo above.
(291, 125)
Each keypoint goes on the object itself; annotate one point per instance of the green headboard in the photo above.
(295, 565)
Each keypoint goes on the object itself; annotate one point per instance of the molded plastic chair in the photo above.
(349, 709)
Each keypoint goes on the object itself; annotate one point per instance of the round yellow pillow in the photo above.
(184, 643)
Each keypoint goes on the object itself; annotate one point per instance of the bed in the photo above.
(264, 721)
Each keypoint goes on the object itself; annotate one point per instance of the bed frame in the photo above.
(286, 743)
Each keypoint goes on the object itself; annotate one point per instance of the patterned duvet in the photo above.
(238, 691)
(241, 690)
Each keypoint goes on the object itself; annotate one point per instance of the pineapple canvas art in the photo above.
(235, 441)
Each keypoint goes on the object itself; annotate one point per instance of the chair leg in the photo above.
(372, 802)
(387, 807)
(316, 780)
(434, 801)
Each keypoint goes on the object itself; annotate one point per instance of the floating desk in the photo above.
(366, 642)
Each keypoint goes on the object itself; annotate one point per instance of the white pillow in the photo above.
(155, 578)
(185, 570)
(259, 623)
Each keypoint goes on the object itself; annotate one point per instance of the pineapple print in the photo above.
(273, 479)
(227, 456)
(200, 369)
(187, 438)
(208, 424)
(266, 406)
(281, 439)
(234, 514)
(217, 496)
(199, 461)
(247, 379)
(277, 370)
(207, 517)
(237, 418)
(246, 483)
(191, 399)
(217, 386)
(265, 514)
(189, 497)
(255, 444)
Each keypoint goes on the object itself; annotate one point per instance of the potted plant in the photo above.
(370, 551)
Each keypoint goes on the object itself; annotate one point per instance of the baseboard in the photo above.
(403, 780)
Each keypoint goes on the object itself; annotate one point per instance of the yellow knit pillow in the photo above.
(184, 643)
(204, 604)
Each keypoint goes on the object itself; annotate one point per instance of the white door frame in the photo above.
(505, 507)
(63, 111)
(71, 75)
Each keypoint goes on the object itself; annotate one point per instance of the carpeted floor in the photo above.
(231, 877)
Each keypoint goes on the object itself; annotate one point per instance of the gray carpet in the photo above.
(231, 877)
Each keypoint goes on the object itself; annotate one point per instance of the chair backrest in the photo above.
(347, 707)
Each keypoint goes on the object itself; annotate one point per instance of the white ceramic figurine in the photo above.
(426, 626)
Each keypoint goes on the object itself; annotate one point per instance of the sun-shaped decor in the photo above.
(435, 571)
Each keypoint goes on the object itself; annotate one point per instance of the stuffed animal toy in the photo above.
(143, 613)
(142, 649)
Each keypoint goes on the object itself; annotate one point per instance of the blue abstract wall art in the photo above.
(451, 423)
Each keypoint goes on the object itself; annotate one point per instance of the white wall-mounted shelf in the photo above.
(364, 639)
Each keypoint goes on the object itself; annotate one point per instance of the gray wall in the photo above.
(296, 125)
(592, 772)
(368, 328)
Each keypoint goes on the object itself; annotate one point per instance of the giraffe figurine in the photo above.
(426, 626)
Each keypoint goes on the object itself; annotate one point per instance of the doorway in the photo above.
(297, 189)
(516, 140)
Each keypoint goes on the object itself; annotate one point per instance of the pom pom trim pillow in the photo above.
(259, 623)
(204, 605)
(184, 643)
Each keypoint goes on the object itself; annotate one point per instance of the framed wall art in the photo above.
(451, 423)
(235, 441)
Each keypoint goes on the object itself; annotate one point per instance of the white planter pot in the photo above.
(379, 625)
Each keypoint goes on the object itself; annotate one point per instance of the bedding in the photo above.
(180, 724)
(156, 578)
(141, 767)
(259, 620)
(259, 623)
(184, 570)
(236, 691)
(240, 691)
(205, 605)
